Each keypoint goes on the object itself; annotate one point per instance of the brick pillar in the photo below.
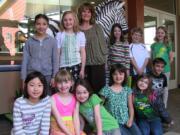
(135, 13)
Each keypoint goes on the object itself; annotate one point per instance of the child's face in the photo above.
(86, 15)
(118, 77)
(136, 37)
(82, 94)
(160, 34)
(158, 68)
(117, 33)
(35, 89)
(68, 21)
(41, 26)
(143, 84)
(64, 86)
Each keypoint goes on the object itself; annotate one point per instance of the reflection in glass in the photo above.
(150, 24)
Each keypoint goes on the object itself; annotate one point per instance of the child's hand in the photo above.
(129, 123)
(52, 83)
(140, 72)
(81, 74)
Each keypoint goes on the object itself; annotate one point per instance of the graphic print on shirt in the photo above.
(28, 119)
(158, 85)
(161, 52)
(89, 115)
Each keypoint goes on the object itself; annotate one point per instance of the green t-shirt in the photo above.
(143, 108)
(162, 51)
(87, 111)
(117, 103)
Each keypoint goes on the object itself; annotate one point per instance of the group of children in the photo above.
(32, 111)
(110, 111)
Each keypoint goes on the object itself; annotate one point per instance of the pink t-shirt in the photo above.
(65, 110)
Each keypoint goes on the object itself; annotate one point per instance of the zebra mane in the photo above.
(109, 12)
(109, 2)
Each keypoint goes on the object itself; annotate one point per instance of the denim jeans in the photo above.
(152, 126)
(112, 132)
(133, 130)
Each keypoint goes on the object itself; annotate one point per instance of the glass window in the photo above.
(16, 23)
(164, 5)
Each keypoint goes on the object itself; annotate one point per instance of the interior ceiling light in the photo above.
(92, 2)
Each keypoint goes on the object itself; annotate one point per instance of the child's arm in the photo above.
(59, 119)
(131, 111)
(83, 61)
(144, 65)
(17, 120)
(55, 62)
(76, 119)
(135, 65)
(45, 122)
(171, 56)
(24, 62)
(98, 121)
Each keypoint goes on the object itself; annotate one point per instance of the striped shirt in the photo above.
(119, 54)
(70, 45)
(31, 119)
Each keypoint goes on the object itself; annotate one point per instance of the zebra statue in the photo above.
(109, 12)
(53, 27)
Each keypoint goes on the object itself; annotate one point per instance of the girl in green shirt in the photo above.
(162, 48)
(92, 110)
(118, 100)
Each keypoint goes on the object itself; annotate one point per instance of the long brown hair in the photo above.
(86, 6)
(112, 37)
(148, 91)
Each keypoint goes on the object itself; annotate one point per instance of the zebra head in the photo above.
(109, 12)
(53, 27)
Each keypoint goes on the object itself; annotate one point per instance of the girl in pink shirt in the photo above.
(65, 109)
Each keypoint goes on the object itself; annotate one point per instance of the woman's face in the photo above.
(86, 15)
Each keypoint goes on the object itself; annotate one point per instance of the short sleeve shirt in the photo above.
(162, 51)
(143, 108)
(117, 103)
(87, 111)
(142, 52)
(159, 83)
(70, 45)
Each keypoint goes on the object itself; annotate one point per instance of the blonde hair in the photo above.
(137, 30)
(166, 40)
(63, 76)
(76, 22)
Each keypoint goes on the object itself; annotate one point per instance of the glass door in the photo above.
(154, 18)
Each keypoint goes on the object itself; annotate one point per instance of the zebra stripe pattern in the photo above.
(109, 12)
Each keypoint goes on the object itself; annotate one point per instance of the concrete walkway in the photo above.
(171, 133)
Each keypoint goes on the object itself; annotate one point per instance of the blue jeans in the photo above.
(112, 132)
(133, 130)
(152, 126)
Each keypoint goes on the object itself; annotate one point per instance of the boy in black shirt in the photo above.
(159, 83)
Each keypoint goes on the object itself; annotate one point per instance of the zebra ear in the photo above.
(120, 5)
